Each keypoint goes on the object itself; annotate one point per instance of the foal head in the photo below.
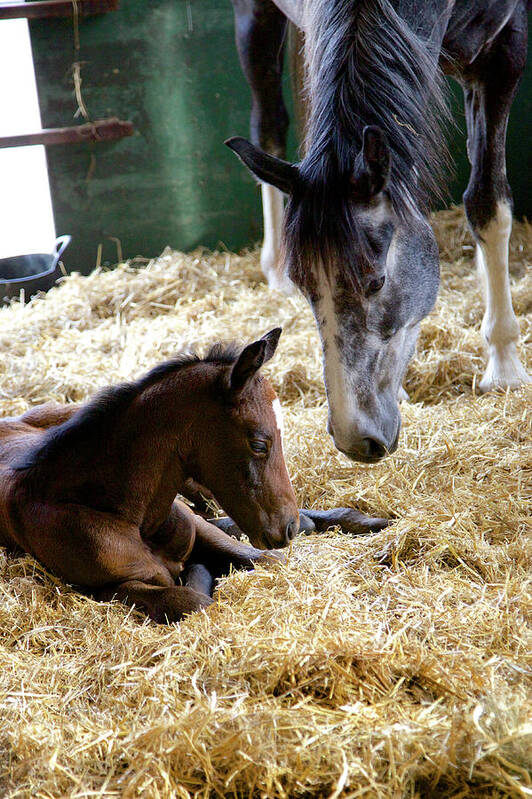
(370, 274)
(242, 460)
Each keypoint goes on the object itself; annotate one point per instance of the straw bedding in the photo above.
(393, 665)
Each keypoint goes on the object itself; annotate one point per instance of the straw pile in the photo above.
(394, 665)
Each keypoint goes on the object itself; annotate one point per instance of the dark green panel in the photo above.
(171, 67)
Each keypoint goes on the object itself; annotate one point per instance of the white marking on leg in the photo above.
(500, 328)
(273, 211)
(278, 411)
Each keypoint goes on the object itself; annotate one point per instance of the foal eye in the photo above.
(375, 285)
(259, 446)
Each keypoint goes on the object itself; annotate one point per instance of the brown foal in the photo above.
(90, 490)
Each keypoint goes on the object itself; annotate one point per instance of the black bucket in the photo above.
(31, 273)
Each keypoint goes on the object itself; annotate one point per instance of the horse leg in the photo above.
(186, 537)
(260, 29)
(198, 577)
(220, 552)
(310, 521)
(489, 89)
(49, 415)
(349, 520)
(105, 555)
(163, 604)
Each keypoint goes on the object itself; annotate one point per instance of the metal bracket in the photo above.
(101, 130)
(55, 8)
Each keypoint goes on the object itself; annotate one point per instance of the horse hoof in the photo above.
(306, 525)
(503, 373)
(355, 523)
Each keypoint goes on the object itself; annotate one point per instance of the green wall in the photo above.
(170, 66)
(172, 69)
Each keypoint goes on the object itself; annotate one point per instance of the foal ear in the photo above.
(252, 357)
(272, 340)
(265, 167)
(372, 164)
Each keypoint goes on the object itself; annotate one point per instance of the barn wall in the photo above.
(171, 67)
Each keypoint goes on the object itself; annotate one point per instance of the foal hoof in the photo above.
(199, 578)
(355, 522)
(306, 525)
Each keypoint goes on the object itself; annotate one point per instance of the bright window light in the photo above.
(26, 217)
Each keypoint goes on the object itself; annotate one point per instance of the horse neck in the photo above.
(366, 66)
(158, 438)
(127, 451)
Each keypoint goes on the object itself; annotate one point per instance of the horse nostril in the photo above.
(372, 448)
(292, 529)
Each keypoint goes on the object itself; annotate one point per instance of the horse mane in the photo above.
(96, 418)
(365, 66)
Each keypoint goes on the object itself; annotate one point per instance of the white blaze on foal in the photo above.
(278, 416)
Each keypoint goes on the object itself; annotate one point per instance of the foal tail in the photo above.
(368, 66)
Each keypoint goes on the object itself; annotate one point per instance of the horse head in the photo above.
(243, 462)
(370, 273)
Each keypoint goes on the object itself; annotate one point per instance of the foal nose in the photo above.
(292, 529)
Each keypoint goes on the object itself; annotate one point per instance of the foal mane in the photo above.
(365, 66)
(95, 419)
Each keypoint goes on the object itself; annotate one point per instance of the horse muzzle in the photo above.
(281, 537)
(367, 445)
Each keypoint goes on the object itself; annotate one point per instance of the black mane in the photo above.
(97, 417)
(367, 67)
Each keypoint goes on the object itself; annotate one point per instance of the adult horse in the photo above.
(355, 238)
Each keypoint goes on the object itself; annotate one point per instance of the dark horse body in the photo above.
(355, 237)
(90, 491)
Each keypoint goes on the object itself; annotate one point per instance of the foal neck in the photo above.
(126, 450)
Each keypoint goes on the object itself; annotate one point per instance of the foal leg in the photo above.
(347, 519)
(187, 538)
(163, 604)
(260, 29)
(198, 577)
(489, 90)
(310, 521)
(107, 556)
(49, 415)
(218, 552)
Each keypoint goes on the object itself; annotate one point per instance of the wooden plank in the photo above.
(101, 130)
(55, 8)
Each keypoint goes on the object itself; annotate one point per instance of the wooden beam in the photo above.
(101, 130)
(55, 8)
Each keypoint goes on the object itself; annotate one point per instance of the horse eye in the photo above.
(259, 446)
(375, 285)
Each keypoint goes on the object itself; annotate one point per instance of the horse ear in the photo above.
(272, 340)
(372, 165)
(252, 357)
(267, 168)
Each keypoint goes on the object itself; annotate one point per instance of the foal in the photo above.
(90, 491)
